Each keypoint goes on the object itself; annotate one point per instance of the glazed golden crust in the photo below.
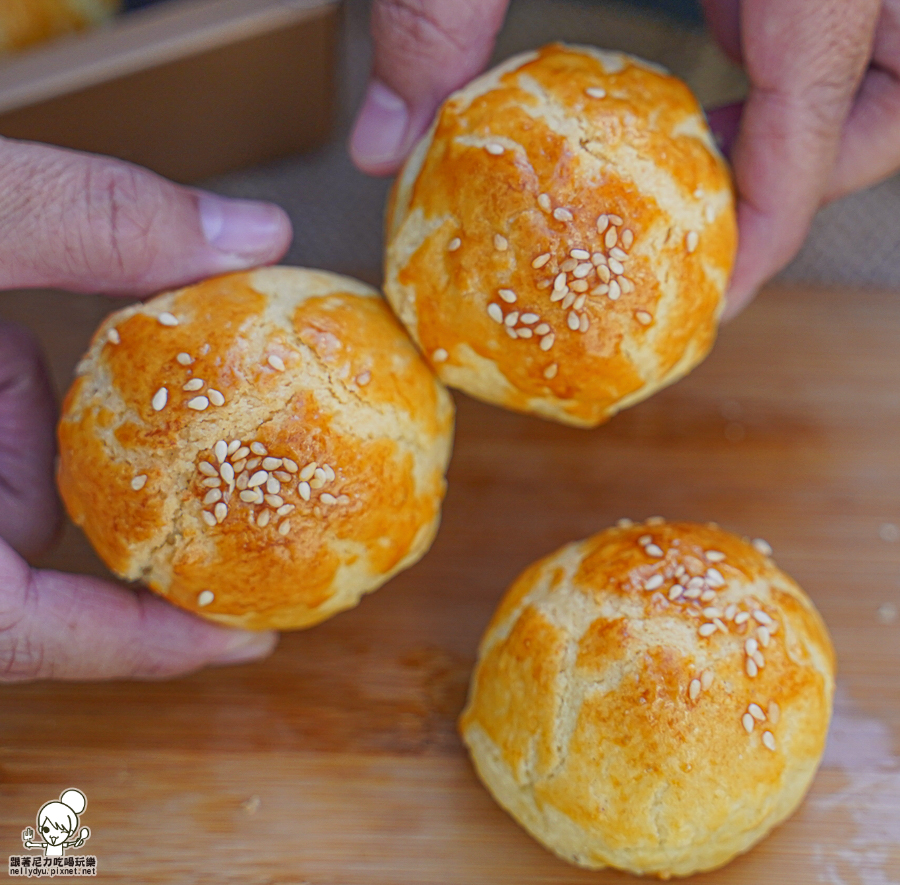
(620, 731)
(521, 167)
(284, 363)
(25, 22)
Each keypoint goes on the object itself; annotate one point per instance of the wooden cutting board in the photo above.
(336, 761)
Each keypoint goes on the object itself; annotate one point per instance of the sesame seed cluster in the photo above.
(657, 678)
(575, 201)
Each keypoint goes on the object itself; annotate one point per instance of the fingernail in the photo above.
(380, 132)
(245, 228)
(247, 646)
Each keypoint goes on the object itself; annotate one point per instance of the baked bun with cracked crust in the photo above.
(261, 448)
(654, 698)
(560, 241)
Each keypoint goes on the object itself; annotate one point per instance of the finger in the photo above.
(88, 223)
(58, 626)
(30, 512)
(424, 49)
(805, 59)
(870, 146)
(725, 122)
(724, 20)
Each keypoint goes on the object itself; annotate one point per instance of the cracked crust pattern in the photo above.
(526, 162)
(588, 721)
(309, 366)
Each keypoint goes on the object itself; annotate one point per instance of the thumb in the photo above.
(88, 223)
(424, 49)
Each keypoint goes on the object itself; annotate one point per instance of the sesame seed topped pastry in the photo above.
(560, 241)
(654, 698)
(261, 448)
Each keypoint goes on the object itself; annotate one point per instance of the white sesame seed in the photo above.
(558, 294)
(454, 244)
(756, 712)
(524, 333)
(198, 403)
(264, 518)
(751, 668)
(493, 148)
(303, 490)
(774, 712)
(258, 448)
(595, 92)
(276, 362)
(309, 470)
(290, 465)
(227, 473)
(248, 495)
(559, 283)
(253, 463)
(317, 481)
(582, 270)
(562, 214)
(602, 223)
(343, 499)
(758, 659)
(712, 612)
(714, 577)
(220, 450)
(285, 509)
(193, 384)
(615, 219)
(653, 550)
(675, 591)
(501, 244)
(616, 266)
(598, 259)
(692, 593)
(761, 617)
(207, 469)
(550, 371)
(160, 398)
(709, 213)
(568, 265)
(215, 397)
(221, 511)
(714, 555)
(568, 300)
(691, 240)
(762, 633)
(580, 254)
(243, 477)
(363, 378)
(507, 295)
(627, 238)
(748, 723)
(282, 476)
(167, 319)
(730, 612)
(768, 740)
(271, 463)
(614, 291)
(208, 518)
(694, 689)
(610, 238)
(529, 318)
(584, 323)
(544, 202)
(654, 582)
(273, 486)
(233, 446)
(495, 312)
(547, 341)
(579, 285)
(541, 260)
(707, 595)
(284, 528)
(542, 329)
(212, 483)
(274, 500)
(205, 597)
(185, 359)
(440, 355)
(327, 498)
(604, 274)
(707, 629)
(113, 336)
(644, 318)
(326, 473)
(572, 321)
(762, 546)
(644, 540)
(257, 479)
(618, 254)
(511, 318)
(741, 617)
(706, 679)
(626, 284)
(751, 645)
(240, 454)
(579, 302)
(211, 497)
(139, 481)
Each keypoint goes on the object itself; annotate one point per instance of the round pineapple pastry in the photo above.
(27, 22)
(560, 241)
(654, 698)
(261, 448)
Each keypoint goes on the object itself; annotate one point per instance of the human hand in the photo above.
(91, 224)
(817, 124)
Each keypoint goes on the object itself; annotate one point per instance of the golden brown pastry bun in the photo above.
(261, 448)
(26, 22)
(655, 698)
(560, 241)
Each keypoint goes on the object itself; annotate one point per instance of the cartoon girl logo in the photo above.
(57, 823)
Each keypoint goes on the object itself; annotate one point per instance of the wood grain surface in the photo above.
(336, 761)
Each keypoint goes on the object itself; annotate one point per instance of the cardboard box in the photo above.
(188, 88)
